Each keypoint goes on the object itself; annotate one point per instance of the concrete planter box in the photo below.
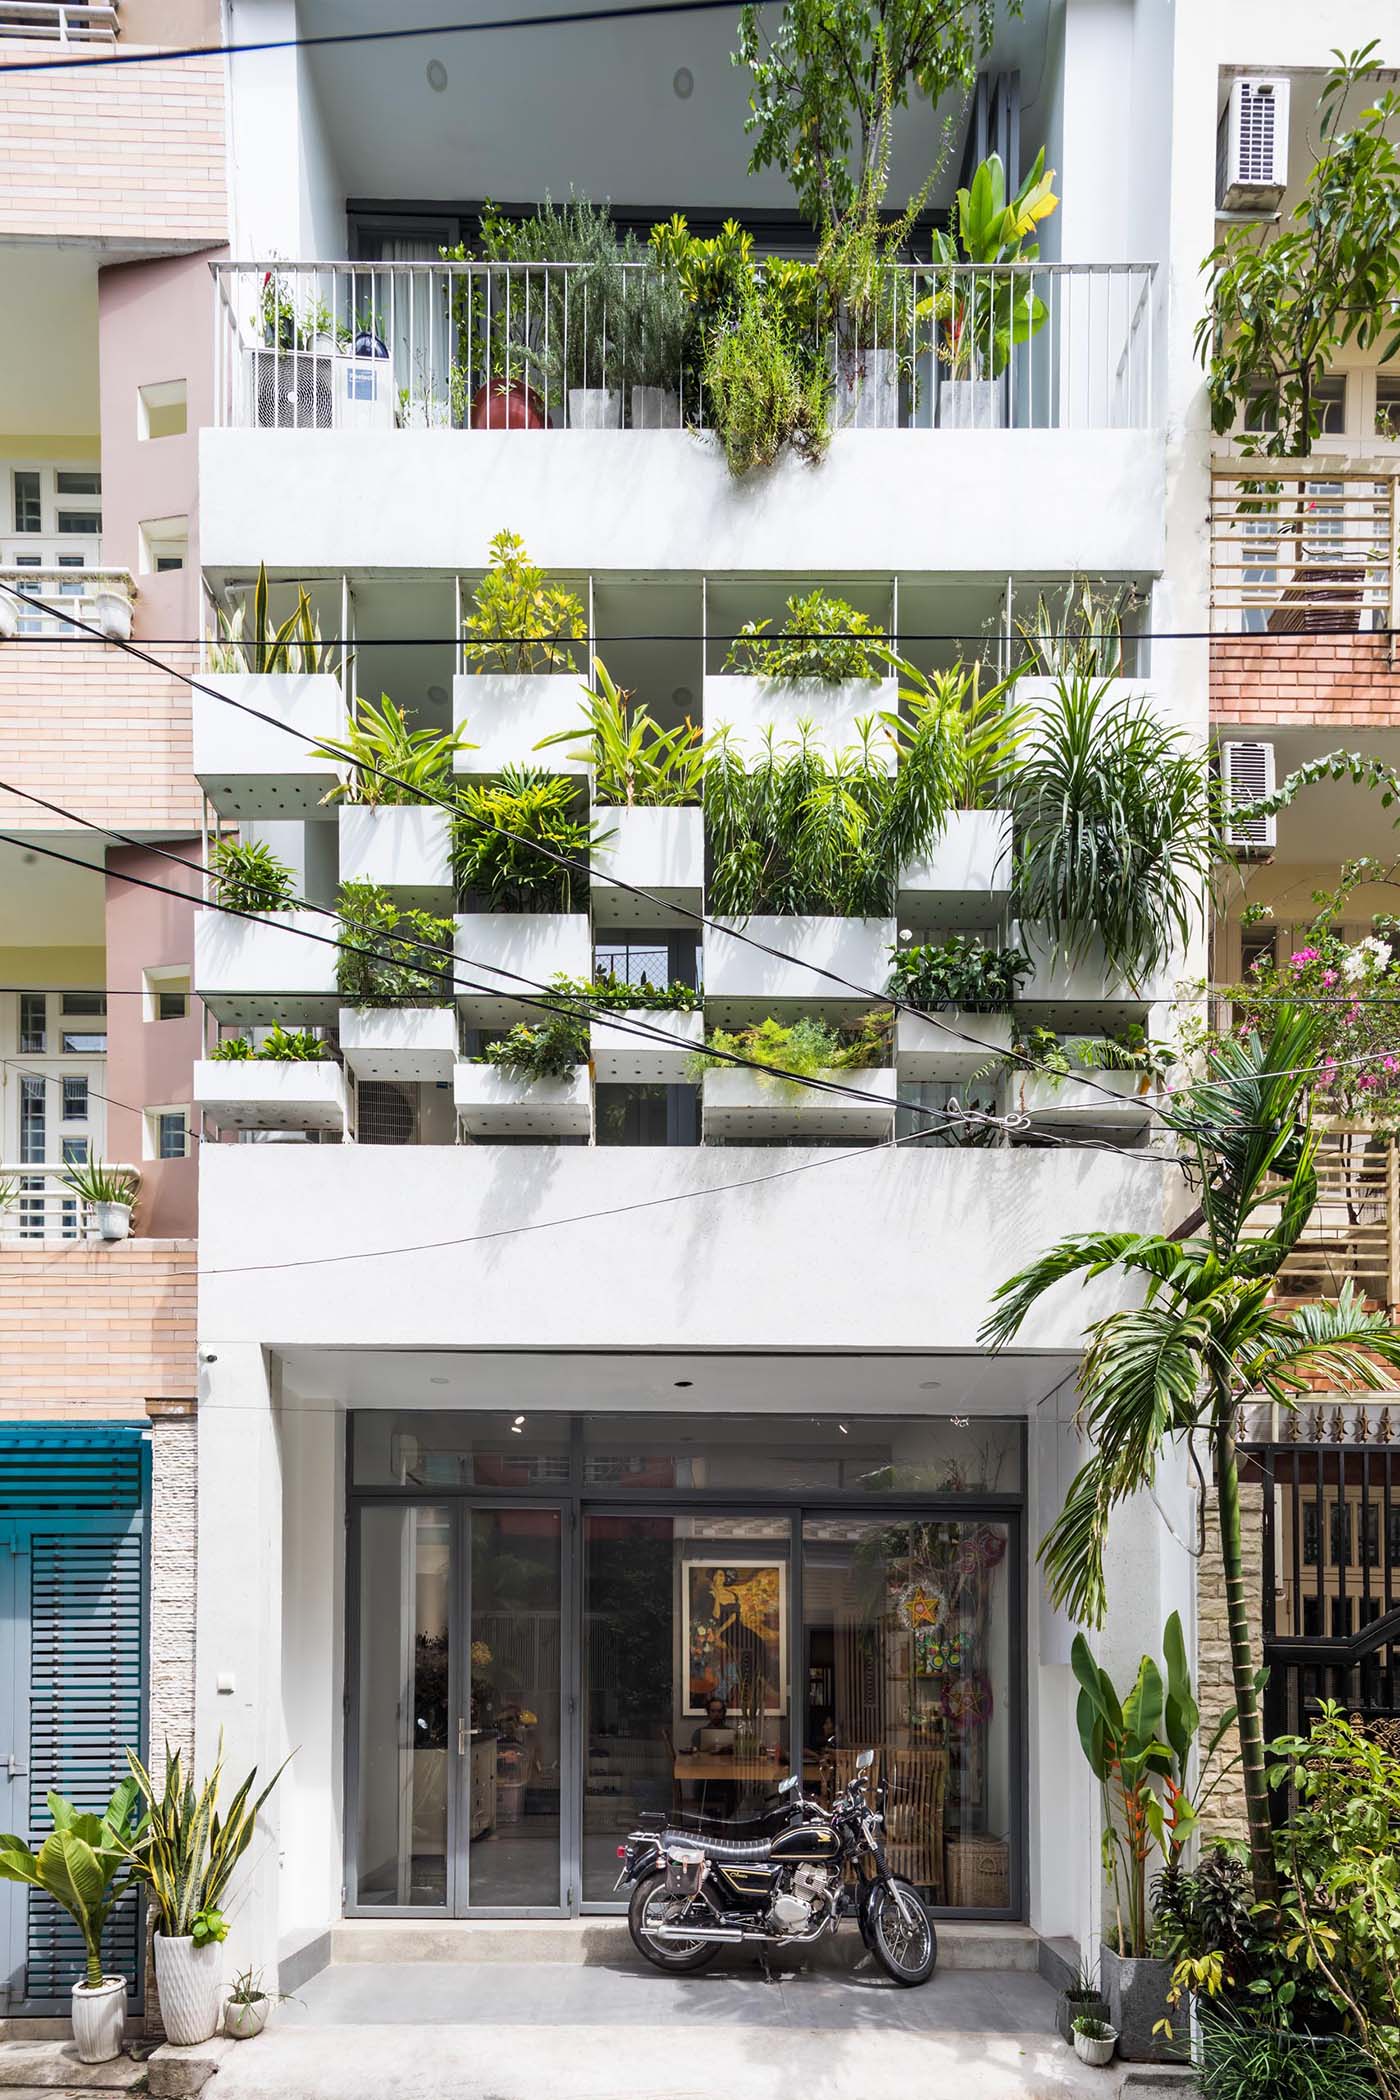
(752, 1107)
(505, 715)
(659, 850)
(621, 1058)
(406, 848)
(923, 1050)
(867, 390)
(264, 1093)
(252, 971)
(1082, 993)
(255, 769)
(971, 404)
(740, 979)
(965, 878)
(492, 1103)
(408, 1043)
(1137, 1999)
(509, 956)
(1106, 1100)
(750, 705)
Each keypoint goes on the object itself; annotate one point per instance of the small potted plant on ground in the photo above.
(1081, 1998)
(1094, 2040)
(111, 1192)
(86, 1865)
(187, 1865)
(246, 2012)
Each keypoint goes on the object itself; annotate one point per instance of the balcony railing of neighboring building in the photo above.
(361, 346)
(60, 21)
(36, 1204)
(1301, 548)
(53, 596)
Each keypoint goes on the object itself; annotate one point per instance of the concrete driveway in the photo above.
(555, 2031)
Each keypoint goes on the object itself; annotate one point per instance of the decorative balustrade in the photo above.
(1297, 547)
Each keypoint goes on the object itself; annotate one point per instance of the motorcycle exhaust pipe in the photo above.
(734, 1935)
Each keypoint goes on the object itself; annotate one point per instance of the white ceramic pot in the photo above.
(245, 2018)
(99, 2019)
(111, 612)
(595, 408)
(970, 404)
(9, 617)
(189, 1980)
(1095, 2049)
(113, 1220)
(655, 408)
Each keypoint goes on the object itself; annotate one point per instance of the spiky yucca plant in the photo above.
(187, 1851)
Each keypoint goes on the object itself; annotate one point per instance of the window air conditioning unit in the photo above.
(1251, 146)
(1247, 774)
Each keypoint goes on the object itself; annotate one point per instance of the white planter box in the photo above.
(752, 1107)
(256, 769)
(492, 1103)
(411, 1043)
(622, 1058)
(867, 391)
(1083, 994)
(659, 850)
(1093, 1101)
(965, 878)
(252, 971)
(511, 956)
(966, 1043)
(505, 715)
(271, 1094)
(750, 705)
(740, 979)
(406, 848)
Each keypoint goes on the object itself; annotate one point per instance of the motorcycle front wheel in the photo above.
(650, 1906)
(899, 1932)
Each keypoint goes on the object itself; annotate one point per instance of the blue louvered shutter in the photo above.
(86, 1618)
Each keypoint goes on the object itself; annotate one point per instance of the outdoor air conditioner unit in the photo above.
(1247, 774)
(1251, 146)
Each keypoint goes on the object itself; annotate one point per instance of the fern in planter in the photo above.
(388, 956)
(801, 1048)
(499, 830)
(248, 877)
(821, 638)
(379, 741)
(636, 764)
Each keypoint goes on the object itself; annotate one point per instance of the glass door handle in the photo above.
(461, 1736)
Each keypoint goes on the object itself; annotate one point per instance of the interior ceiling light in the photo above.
(439, 1381)
(931, 1385)
(683, 83)
(843, 1429)
(437, 75)
(519, 1422)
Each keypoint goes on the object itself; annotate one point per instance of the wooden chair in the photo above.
(917, 1783)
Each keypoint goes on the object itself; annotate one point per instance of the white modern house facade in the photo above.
(514, 1398)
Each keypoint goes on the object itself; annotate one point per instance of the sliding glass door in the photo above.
(459, 1742)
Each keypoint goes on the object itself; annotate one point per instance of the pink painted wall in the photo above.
(155, 323)
(148, 1062)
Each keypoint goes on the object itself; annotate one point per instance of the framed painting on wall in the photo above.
(734, 1627)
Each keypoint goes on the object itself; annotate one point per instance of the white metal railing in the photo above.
(1301, 547)
(532, 346)
(59, 21)
(100, 597)
(41, 1206)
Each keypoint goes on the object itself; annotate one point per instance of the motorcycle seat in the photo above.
(749, 1830)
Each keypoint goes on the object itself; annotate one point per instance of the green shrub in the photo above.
(804, 1047)
(248, 876)
(764, 392)
(519, 622)
(499, 830)
(387, 956)
(959, 972)
(823, 638)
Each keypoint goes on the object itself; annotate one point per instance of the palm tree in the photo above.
(1207, 1336)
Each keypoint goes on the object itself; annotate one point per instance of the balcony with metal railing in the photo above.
(976, 417)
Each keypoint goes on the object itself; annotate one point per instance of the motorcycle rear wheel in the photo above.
(899, 1932)
(677, 1957)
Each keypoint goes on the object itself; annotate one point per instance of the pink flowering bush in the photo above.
(1357, 984)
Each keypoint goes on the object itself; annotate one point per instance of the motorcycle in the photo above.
(698, 1886)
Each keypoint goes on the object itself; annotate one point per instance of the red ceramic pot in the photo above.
(507, 404)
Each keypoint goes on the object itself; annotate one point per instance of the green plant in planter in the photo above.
(248, 640)
(973, 732)
(86, 1864)
(379, 742)
(188, 1851)
(801, 1048)
(615, 995)
(659, 338)
(1078, 635)
(1118, 829)
(547, 1049)
(765, 388)
(93, 1181)
(958, 972)
(499, 831)
(248, 877)
(636, 764)
(822, 638)
(519, 622)
(389, 956)
(985, 312)
(233, 1050)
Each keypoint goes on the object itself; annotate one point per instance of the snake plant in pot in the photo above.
(186, 1863)
(86, 1865)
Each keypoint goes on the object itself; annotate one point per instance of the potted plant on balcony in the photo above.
(247, 876)
(111, 612)
(958, 975)
(983, 299)
(249, 641)
(498, 836)
(86, 1866)
(519, 622)
(658, 337)
(389, 956)
(822, 638)
(110, 1191)
(186, 1861)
